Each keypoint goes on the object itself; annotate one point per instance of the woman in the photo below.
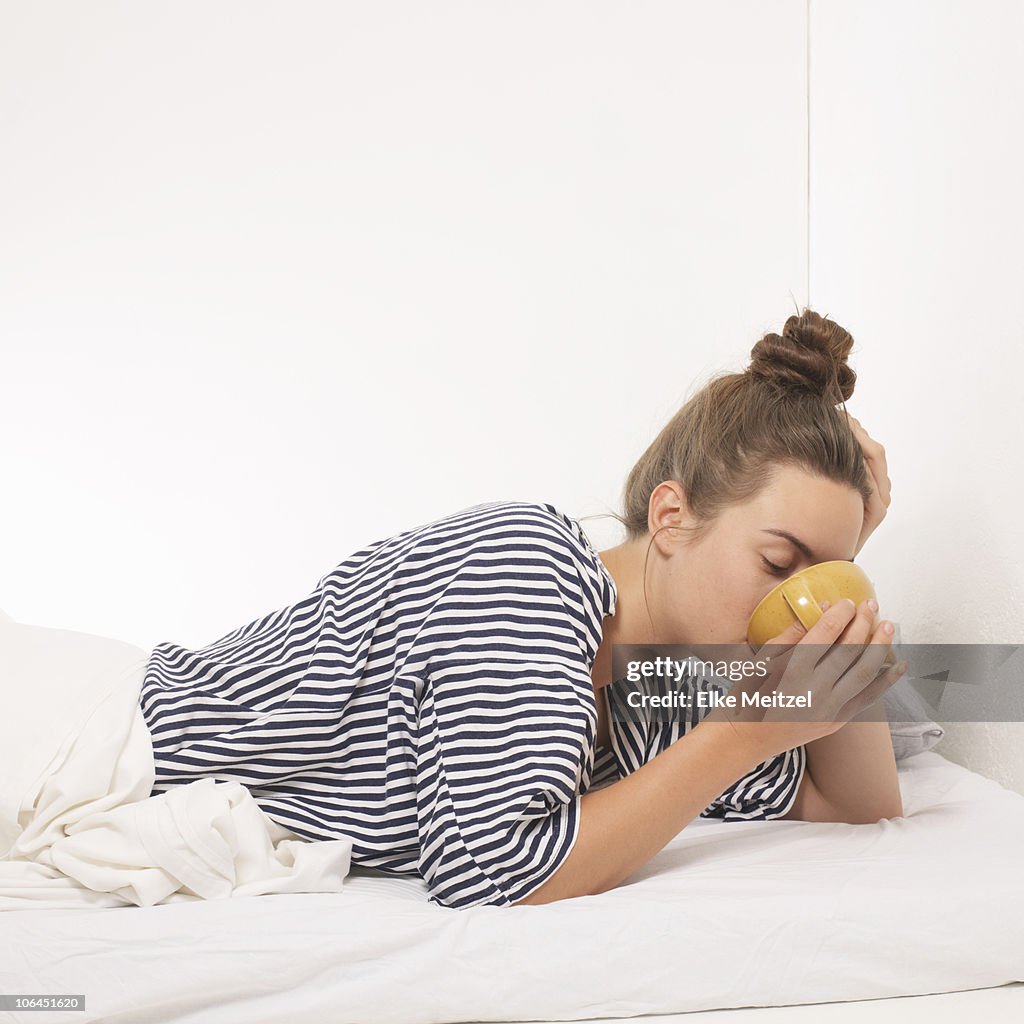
(439, 698)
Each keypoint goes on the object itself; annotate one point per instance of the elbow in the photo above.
(864, 819)
(535, 899)
(895, 812)
(870, 815)
(547, 893)
(810, 804)
(565, 884)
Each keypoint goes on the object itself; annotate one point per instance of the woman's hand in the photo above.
(839, 660)
(878, 475)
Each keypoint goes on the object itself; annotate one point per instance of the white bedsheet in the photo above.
(77, 824)
(728, 914)
(1002, 1005)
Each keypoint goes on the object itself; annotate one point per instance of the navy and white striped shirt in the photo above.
(431, 700)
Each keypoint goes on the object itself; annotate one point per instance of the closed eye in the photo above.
(775, 570)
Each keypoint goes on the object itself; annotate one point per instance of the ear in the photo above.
(669, 508)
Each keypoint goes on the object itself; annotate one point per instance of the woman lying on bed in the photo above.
(440, 697)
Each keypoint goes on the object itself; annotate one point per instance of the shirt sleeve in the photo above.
(766, 792)
(507, 721)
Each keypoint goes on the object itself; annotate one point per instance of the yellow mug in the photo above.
(798, 599)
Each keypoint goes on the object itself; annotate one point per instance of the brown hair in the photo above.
(723, 445)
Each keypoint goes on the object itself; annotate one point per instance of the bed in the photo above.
(731, 921)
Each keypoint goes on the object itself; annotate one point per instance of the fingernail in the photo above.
(872, 604)
(887, 626)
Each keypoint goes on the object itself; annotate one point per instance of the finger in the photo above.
(777, 664)
(825, 632)
(838, 659)
(873, 691)
(880, 482)
(874, 476)
(861, 626)
(777, 651)
(877, 465)
(849, 648)
(791, 635)
(866, 668)
(872, 448)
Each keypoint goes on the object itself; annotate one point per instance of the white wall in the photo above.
(278, 279)
(917, 155)
(283, 278)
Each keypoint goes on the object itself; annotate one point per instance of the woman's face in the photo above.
(704, 591)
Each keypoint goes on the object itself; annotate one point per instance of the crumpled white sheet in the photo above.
(82, 830)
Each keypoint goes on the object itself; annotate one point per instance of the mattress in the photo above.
(1003, 1005)
(727, 915)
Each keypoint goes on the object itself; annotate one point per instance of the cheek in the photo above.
(721, 588)
(748, 589)
(744, 606)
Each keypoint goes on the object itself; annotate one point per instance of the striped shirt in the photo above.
(431, 701)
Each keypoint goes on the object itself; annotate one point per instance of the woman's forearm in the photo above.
(854, 769)
(622, 826)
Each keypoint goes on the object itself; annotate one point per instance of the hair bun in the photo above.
(809, 355)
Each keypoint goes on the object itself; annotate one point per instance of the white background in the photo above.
(278, 279)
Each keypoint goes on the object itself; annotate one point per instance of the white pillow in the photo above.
(910, 723)
(76, 670)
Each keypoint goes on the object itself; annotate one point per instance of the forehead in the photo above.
(825, 515)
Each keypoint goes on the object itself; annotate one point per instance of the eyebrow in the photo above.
(801, 546)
